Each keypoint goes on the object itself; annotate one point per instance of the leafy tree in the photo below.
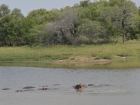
(17, 12)
(122, 15)
(101, 5)
(90, 12)
(116, 2)
(134, 33)
(32, 23)
(26, 25)
(91, 31)
(63, 29)
(10, 30)
(84, 3)
(4, 10)
(37, 35)
(41, 16)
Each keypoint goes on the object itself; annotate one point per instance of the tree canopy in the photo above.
(87, 22)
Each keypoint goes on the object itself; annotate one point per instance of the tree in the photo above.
(64, 28)
(41, 16)
(91, 31)
(84, 3)
(10, 30)
(33, 23)
(4, 10)
(17, 12)
(37, 35)
(122, 15)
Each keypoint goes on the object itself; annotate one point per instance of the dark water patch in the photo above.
(56, 84)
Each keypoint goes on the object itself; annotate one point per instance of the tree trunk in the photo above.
(10, 44)
(123, 30)
(123, 36)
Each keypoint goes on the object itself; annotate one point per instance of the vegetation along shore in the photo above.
(86, 32)
(71, 54)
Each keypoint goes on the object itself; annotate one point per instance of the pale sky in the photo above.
(28, 5)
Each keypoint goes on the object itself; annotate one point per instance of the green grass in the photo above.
(103, 56)
(60, 52)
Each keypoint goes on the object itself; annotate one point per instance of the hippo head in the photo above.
(78, 86)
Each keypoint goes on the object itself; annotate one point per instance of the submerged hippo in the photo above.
(103, 85)
(45, 86)
(56, 84)
(28, 87)
(43, 89)
(24, 90)
(91, 85)
(6, 89)
(20, 90)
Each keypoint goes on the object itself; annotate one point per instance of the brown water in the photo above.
(123, 89)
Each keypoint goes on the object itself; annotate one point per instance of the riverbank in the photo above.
(71, 54)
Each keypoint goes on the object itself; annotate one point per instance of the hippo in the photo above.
(45, 86)
(24, 90)
(43, 89)
(20, 90)
(28, 87)
(79, 86)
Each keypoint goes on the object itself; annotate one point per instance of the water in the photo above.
(123, 89)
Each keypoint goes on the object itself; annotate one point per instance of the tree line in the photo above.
(84, 23)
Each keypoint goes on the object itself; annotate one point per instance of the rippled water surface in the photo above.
(123, 89)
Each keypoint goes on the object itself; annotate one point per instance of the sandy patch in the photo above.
(84, 60)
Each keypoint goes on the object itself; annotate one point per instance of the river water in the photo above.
(123, 89)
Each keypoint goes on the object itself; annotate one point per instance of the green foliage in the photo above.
(84, 23)
(33, 25)
(123, 16)
(91, 31)
(57, 57)
(114, 2)
(17, 12)
(84, 3)
(90, 12)
(4, 10)
(36, 35)
(41, 16)
(10, 30)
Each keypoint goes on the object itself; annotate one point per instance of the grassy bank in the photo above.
(66, 53)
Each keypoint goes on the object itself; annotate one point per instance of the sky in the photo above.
(28, 5)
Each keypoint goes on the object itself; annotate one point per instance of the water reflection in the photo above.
(118, 64)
